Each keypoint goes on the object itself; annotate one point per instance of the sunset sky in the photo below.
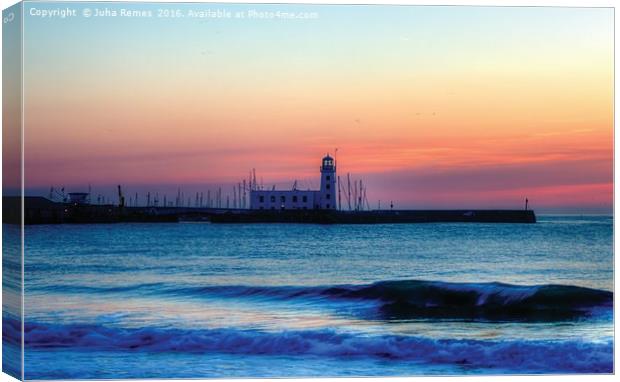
(433, 107)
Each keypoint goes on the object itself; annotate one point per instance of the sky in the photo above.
(432, 107)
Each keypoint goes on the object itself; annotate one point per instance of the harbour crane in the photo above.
(121, 198)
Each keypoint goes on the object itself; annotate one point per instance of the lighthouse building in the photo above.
(325, 198)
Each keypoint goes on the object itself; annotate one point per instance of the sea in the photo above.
(201, 300)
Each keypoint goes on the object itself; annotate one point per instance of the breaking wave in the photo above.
(530, 356)
(411, 299)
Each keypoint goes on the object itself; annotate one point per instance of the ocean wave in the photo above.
(524, 356)
(11, 329)
(408, 299)
(492, 301)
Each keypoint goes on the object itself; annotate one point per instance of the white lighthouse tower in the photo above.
(328, 192)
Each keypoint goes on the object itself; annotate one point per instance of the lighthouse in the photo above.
(326, 198)
(328, 190)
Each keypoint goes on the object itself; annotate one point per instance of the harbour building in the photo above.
(325, 198)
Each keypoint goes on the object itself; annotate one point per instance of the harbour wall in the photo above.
(39, 210)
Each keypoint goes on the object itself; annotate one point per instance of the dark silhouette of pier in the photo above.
(40, 210)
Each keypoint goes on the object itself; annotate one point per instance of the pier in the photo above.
(378, 216)
(334, 202)
(40, 210)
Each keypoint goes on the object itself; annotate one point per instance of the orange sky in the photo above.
(403, 92)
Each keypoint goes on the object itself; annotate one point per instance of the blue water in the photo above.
(11, 300)
(276, 300)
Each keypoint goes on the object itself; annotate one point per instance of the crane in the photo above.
(121, 198)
